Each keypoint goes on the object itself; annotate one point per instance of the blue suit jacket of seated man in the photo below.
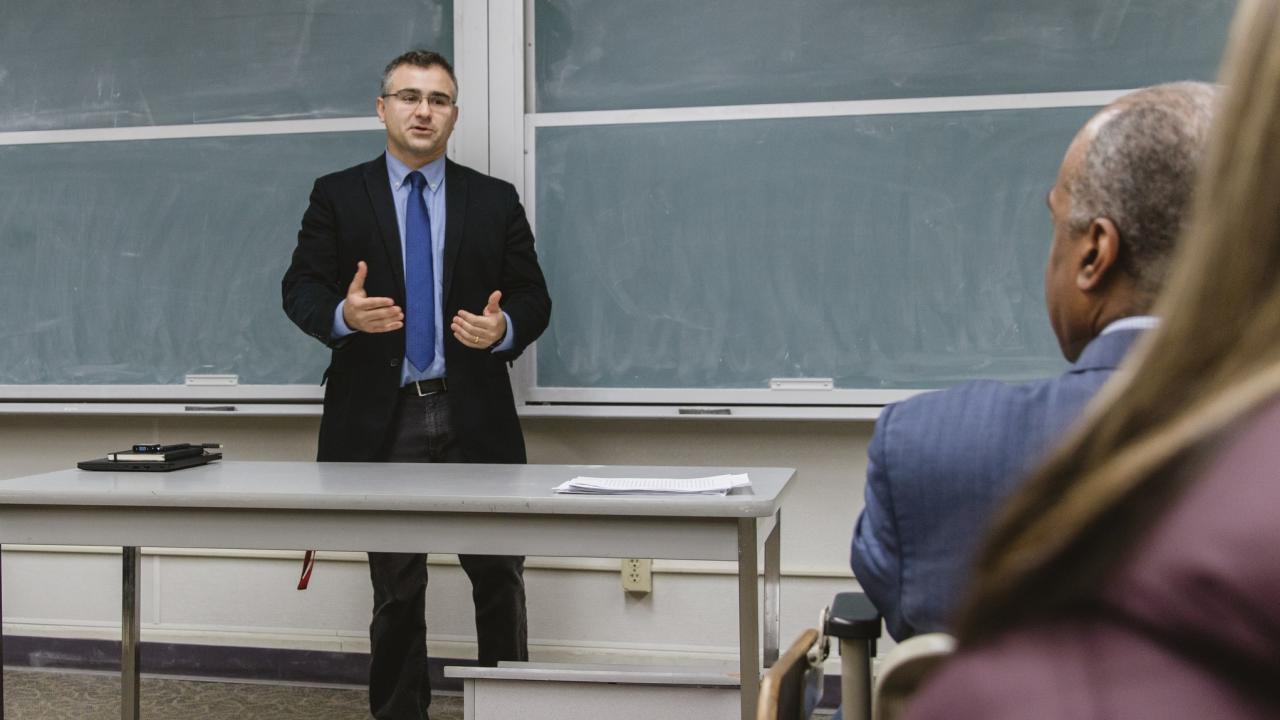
(939, 465)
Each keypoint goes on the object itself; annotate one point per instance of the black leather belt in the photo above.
(423, 388)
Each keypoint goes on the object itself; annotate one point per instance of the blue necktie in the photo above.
(419, 279)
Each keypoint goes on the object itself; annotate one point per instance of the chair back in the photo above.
(792, 688)
(905, 670)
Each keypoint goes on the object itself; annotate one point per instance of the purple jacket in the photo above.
(1188, 627)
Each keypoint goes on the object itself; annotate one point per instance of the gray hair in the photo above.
(422, 59)
(1139, 172)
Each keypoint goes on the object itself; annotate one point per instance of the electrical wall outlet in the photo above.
(637, 575)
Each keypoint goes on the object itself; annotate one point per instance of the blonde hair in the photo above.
(1214, 358)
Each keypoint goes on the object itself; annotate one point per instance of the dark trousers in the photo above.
(399, 686)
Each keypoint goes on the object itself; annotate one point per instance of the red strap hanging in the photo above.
(308, 564)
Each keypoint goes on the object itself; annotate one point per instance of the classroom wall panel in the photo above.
(214, 599)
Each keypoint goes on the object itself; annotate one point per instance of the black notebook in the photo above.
(149, 465)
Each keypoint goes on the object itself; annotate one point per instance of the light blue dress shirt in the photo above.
(1133, 322)
(434, 195)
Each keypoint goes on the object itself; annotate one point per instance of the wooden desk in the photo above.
(440, 508)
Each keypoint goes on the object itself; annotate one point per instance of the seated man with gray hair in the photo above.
(939, 464)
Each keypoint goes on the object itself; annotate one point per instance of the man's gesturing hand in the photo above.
(369, 314)
(481, 331)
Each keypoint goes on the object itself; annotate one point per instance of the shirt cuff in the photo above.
(340, 329)
(509, 340)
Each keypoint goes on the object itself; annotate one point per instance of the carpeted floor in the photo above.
(62, 695)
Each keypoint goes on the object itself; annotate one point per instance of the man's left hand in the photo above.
(481, 331)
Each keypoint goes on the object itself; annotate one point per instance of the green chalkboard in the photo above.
(139, 262)
(615, 54)
(897, 250)
(136, 262)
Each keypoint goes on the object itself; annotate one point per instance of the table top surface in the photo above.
(407, 487)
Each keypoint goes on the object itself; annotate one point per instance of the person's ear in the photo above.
(1098, 254)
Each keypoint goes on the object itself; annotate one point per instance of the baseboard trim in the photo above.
(231, 662)
(212, 661)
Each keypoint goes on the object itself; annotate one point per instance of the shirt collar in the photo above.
(432, 171)
(1133, 322)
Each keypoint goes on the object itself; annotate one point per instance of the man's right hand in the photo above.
(369, 314)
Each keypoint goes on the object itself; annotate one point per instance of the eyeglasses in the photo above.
(412, 98)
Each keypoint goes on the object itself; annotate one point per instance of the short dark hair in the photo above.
(422, 59)
(1139, 171)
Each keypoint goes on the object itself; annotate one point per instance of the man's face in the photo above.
(418, 133)
(1068, 314)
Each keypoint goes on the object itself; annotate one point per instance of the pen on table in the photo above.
(158, 448)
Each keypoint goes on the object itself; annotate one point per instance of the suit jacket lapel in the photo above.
(384, 211)
(455, 199)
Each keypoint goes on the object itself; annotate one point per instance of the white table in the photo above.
(441, 508)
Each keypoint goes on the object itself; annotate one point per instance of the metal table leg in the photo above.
(748, 617)
(772, 590)
(1, 641)
(129, 700)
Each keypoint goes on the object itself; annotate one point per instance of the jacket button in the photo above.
(394, 362)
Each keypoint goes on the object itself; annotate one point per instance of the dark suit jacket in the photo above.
(937, 467)
(1187, 627)
(488, 246)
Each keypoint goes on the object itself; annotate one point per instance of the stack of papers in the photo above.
(714, 485)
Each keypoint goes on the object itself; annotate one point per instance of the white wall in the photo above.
(577, 608)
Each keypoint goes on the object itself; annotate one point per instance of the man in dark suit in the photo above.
(388, 251)
(940, 463)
